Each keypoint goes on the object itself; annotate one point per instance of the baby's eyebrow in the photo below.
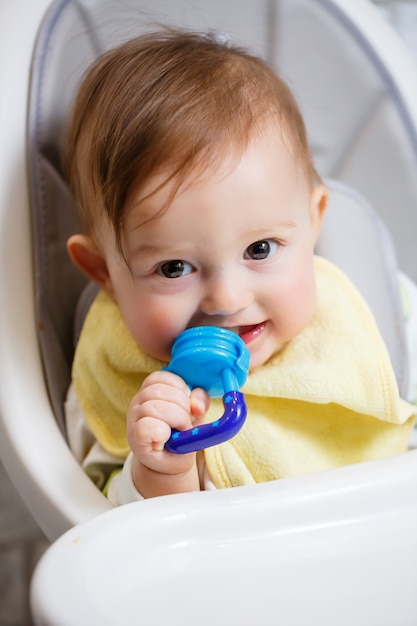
(146, 249)
(288, 223)
(284, 225)
(149, 252)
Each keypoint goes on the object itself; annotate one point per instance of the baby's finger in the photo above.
(149, 435)
(199, 402)
(160, 393)
(173, 414)
(162, 377)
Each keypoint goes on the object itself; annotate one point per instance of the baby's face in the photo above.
(234, 249)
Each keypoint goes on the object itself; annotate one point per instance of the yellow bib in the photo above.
(328, 398)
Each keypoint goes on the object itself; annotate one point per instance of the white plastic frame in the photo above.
(32, 449)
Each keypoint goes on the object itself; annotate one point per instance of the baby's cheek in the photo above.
(155, 335)
(304, 302)
(295, 305)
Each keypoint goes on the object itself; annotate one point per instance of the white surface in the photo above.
(333, 548)
(32, 449)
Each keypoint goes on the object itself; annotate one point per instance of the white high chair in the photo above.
(357, 88)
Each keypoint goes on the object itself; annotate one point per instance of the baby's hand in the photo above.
(163, 402)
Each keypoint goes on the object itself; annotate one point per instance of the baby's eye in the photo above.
(261, 249)
(175, 268)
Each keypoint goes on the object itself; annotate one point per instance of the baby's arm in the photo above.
(163, 402)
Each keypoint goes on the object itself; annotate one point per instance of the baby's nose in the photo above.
(225, 295)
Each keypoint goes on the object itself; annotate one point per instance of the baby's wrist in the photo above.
(151, 483)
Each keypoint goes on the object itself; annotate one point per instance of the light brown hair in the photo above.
(170, 98)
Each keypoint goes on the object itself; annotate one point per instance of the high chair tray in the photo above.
(333, 548)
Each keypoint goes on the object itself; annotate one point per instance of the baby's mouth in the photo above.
(251, 332)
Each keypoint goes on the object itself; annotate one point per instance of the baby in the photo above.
(201, 206)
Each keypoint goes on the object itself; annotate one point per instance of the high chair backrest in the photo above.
(357, 89)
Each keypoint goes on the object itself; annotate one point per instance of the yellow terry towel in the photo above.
(328, 398)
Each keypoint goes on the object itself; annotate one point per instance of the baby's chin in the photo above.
(258, 361)
(162, 355)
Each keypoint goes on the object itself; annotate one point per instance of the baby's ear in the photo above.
(87, 256)
(318, 203)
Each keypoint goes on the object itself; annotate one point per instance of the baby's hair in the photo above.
(170, 100)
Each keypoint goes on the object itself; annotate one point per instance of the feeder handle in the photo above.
(216, 432)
